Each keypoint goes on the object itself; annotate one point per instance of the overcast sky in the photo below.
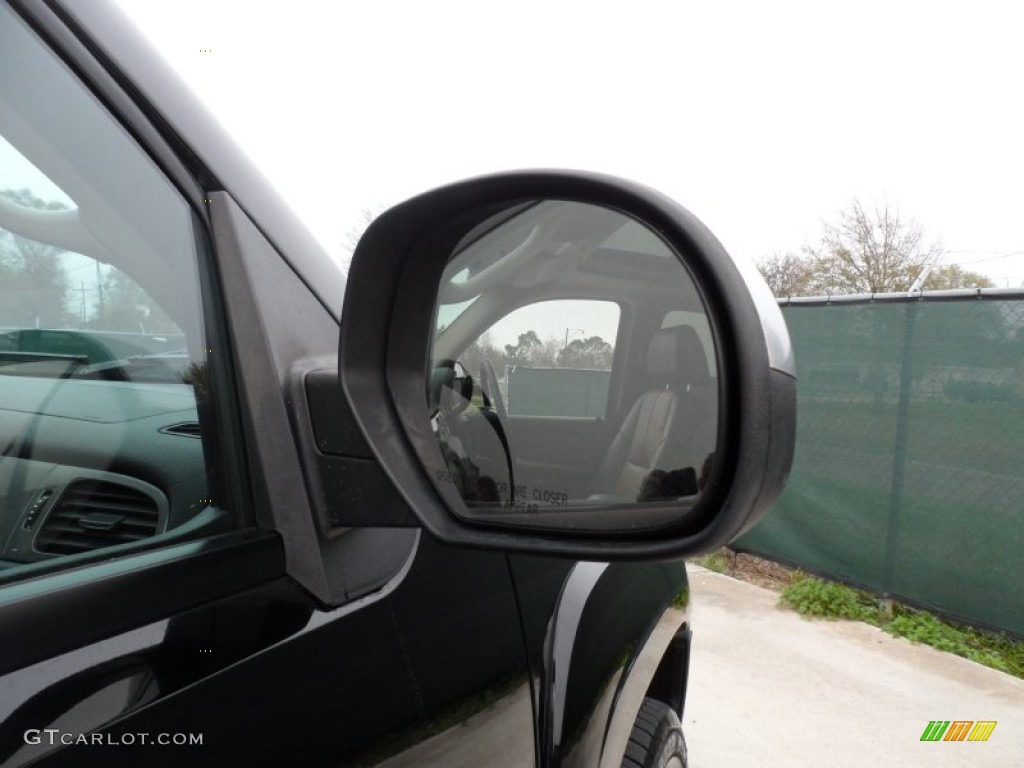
(764, 119)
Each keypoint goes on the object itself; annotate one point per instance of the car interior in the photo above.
(103, 380)
(651, 437)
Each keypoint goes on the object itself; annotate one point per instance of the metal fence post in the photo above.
(899, 466)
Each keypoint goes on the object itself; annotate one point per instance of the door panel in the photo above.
(433, 673)
(590, 631)
(555, 454)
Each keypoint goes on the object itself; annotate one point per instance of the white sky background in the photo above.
(764, 119)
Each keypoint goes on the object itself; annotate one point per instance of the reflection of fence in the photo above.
(556, 391)
(95, 345)
(909, 469)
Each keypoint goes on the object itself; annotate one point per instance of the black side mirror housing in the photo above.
(501, 241)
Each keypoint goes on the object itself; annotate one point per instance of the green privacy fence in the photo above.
(908, 476)
(556, 391)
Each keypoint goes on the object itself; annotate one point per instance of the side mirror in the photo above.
(568, 364)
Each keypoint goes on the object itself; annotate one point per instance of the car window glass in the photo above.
(104, 412)
(553, 358)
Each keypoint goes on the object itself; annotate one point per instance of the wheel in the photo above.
(657, 738)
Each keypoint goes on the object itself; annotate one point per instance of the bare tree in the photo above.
(955, 276)
(127, 307)
(480, 350)
(355, 234)
(787, 274)
(33, 282)
(875, 251)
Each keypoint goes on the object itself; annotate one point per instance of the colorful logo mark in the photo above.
(958, 730)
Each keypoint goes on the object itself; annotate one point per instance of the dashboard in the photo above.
(91, 464)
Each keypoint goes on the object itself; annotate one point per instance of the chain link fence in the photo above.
(908, 476)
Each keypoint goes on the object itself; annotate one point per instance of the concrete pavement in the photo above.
(769, 688)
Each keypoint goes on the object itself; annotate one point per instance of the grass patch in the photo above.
(811, 596)
(682, 600)
(954, 553)
(716, 561)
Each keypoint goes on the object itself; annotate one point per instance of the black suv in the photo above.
(253, 512)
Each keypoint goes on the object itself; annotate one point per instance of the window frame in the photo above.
(39, 612)
(613, 370)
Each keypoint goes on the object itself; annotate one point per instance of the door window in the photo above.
(553, 358)
(104, 395)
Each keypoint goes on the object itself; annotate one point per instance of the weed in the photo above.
(716, 561)
(682, 600)
(992, 649)
(810, 596)
(814, 597)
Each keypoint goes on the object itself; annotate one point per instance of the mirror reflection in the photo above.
(573, 368)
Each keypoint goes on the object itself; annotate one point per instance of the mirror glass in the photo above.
(573, 373)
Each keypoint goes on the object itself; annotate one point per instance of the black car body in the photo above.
(211, 555)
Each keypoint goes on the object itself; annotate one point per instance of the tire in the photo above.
(657, 738)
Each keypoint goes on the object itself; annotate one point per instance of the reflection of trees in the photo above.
(530, 351)
(34, 287)
(594, 353)
(196, 374)
(126, 307)
(33, 283)
(480, 350)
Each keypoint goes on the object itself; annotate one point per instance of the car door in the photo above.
(153, 494)
(242, 519)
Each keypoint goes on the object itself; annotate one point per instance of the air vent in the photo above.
(185, 429)
(92, 514)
